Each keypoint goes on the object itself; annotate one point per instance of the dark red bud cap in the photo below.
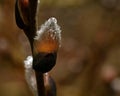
(44, 62)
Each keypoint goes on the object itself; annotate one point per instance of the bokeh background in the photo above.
(88, 62)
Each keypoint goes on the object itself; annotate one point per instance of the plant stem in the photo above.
(40, 83)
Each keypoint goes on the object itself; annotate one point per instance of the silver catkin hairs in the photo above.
(30, 75)
(49, 33)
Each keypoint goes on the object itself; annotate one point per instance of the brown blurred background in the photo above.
(88, 62)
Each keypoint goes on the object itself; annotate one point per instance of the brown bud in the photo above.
(50, 86)
(25, 15)
(24, 10)
(19, 20)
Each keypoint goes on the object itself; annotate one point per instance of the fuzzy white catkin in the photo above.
(30, 75)
(51, 27)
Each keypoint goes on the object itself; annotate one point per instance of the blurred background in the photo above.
(88, 62)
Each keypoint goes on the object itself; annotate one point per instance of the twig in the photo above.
(40, 84)
(44, 45)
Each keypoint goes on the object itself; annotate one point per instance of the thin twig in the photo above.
(40, 84)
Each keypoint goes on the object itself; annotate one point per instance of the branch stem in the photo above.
(40, 83)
